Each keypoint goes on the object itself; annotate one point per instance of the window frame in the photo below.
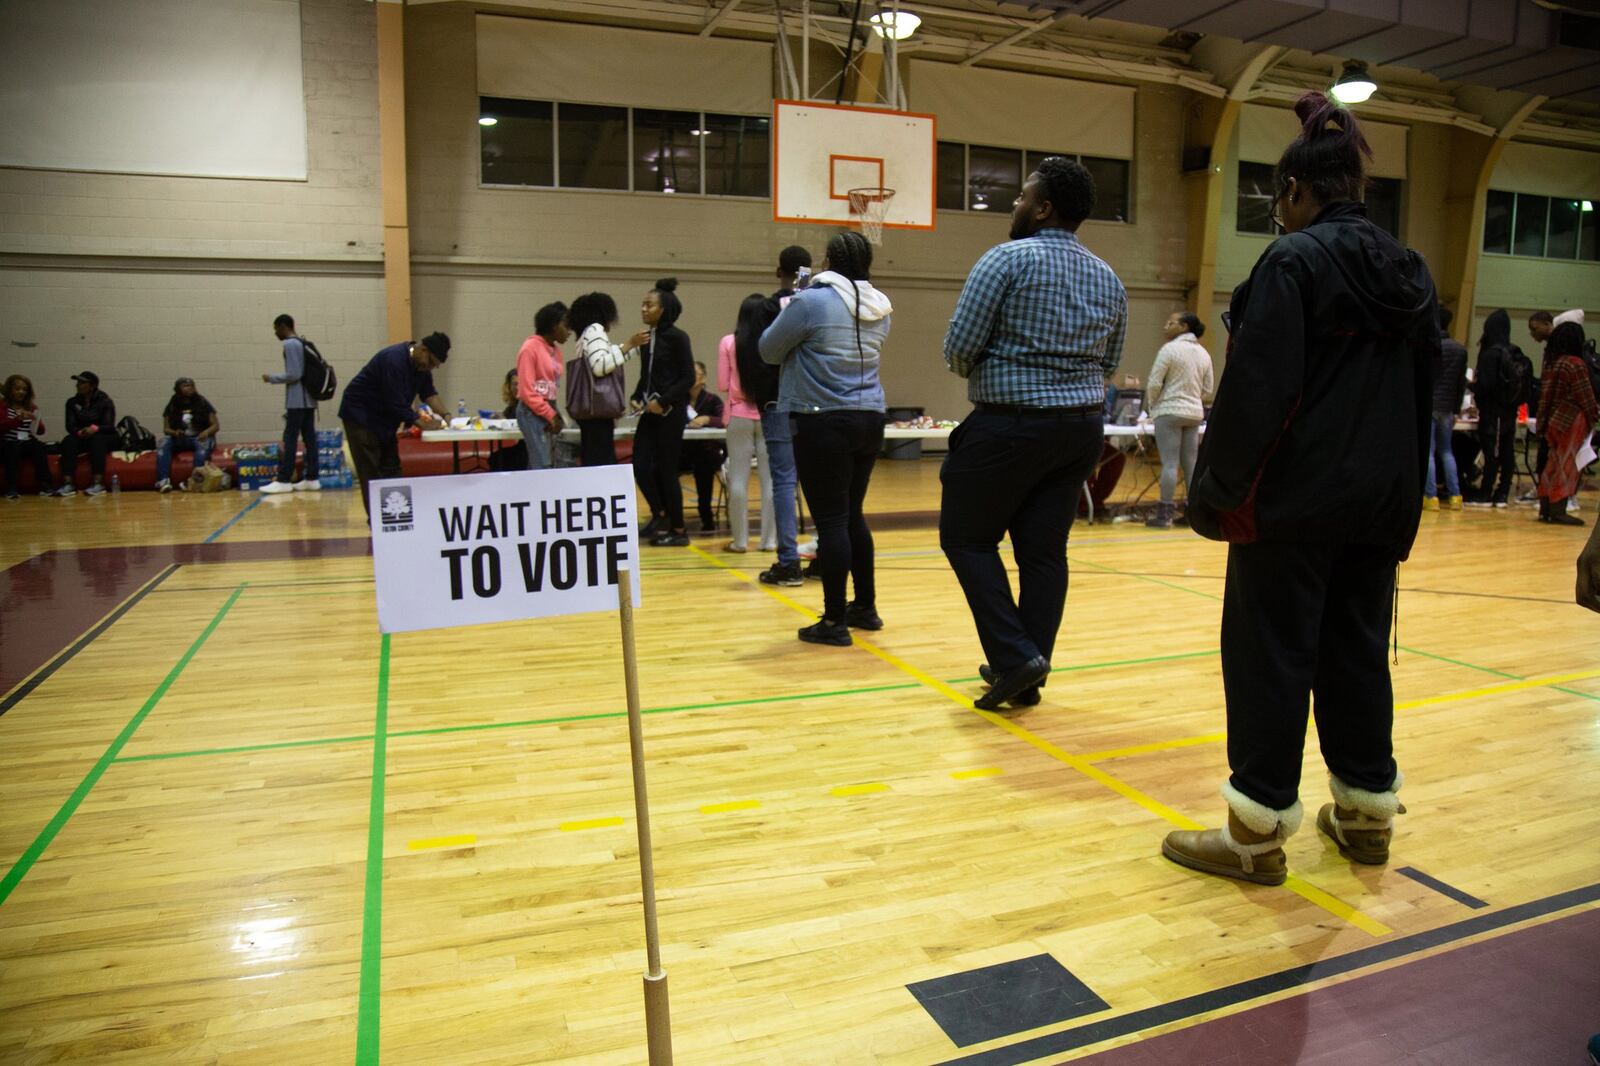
(1022, 159)
(1549, 207)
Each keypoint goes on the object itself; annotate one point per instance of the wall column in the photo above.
(1203, 191)
(392, 168)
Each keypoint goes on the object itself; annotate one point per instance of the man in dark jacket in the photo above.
(759, 381)
(1449, 386)
(1497, 392)
(1312, 470)
(91, 425)
(377, 403)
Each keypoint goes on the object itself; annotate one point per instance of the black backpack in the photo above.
(133, 437)
(318, 377)
(1516, 379)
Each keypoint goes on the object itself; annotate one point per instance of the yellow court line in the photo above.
(1494, 690)
(589, 823)
(859, 790)
(734, 805)
(1160, 745)
(982, 771)
(1305, 891)
(442, 842)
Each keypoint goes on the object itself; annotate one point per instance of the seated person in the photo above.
(21, 433)
(512, 456)
(91, 426)
(1108, 471)
(704, 457)
(189, 424)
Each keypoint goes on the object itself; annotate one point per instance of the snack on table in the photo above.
(925, 422)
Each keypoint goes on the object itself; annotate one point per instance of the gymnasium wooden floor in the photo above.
(239, 826)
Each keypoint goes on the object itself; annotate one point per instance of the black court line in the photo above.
(1440, 887)
(84, 641)
(1284, 980)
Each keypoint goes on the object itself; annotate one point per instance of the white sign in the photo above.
(476, 548)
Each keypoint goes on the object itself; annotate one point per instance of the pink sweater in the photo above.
(728, 381)
(538, 370)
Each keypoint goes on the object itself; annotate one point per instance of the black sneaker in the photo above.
(651, 528)
(1500, 501)
(826, 632)
(857, 617)
(13, 494)
(670, 540)
(783, 574)
(812, 572)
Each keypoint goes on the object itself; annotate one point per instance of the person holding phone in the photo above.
(662, 399)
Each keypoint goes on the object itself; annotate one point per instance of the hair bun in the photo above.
(1315, 111)
(667, 285)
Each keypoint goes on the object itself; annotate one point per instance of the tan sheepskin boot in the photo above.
(1361, 822)
(1249, 847)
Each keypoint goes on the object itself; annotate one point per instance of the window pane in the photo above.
(666, 151)
(1563, 243)
(1588, 232)
(996, 178)
(738, 154)
(519, 148)
(1383, 204)
(594, 146)
(1528, 236)
(1497, 222)
(1254, 201)
(1110, 188)
(952, 167)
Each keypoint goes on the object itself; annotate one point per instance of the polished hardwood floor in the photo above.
(239, 826)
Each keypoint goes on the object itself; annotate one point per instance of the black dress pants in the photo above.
(834, 453)
(656, 444)
(1497, 432)
(376, 456)
(1022, 476)
(98, 446)
(703, 458)
(597, 444)
(1307, 624)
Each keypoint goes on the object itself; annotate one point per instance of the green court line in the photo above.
(244, 748)
(48, 834)
(372, 901)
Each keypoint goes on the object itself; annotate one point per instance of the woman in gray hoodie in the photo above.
(827, 341)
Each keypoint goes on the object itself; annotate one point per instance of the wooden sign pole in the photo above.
(657, 1017)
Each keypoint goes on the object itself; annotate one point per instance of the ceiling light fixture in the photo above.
(897, 25)
(1355, 85)
(487, 120)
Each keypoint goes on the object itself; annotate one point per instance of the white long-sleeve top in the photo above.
(604, 356)
(1181, 379)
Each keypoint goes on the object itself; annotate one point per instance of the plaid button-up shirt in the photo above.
(1040, 323)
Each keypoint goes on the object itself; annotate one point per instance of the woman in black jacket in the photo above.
(662, 398)
(1312, 470)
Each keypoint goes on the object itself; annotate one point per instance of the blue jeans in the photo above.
(536, 432)
(780, 460)
(1439, 445)
(299, 426)
(201, 446)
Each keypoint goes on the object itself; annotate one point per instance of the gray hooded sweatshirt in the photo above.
(814, 340)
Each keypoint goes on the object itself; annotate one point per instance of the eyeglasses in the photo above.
(1275, 213)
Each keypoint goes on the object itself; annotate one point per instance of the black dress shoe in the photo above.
(857, 617)
(989, 673)
(667, 539)
(1011, 683)
(651, 528)
(826, 632)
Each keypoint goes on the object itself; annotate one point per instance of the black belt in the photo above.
(1017, 411)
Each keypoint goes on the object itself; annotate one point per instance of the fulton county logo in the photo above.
(394, 509)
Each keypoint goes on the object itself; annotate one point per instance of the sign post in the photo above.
(479, 548)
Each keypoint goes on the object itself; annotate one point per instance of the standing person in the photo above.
(1568, 412)
(1312, 470)
(828, 340)
(22, 433)
(538, 371)
(188, 424)
(1449, 386)
(1499, 387)
(703, 458)
(91, 424)
(1180, 382)
(762, 383)
(1038, 328)
(299, 414)
(378, 402)
(595, 385)
(662, 400)
(745, 438)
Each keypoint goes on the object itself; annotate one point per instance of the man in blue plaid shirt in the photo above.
(1037, 330)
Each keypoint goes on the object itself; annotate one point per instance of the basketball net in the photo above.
(869, 206)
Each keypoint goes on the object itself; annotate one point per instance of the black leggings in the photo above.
(656, 444)
(596, 445)
(835, 452)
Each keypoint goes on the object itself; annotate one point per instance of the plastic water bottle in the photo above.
(461, 408)
(116, 484)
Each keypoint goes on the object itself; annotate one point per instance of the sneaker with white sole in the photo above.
(272, 488)
(64, 491)
(164, 485)
(95, 490)
(313, 485)
(1572, 505)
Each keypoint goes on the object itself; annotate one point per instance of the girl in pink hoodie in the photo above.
(538, 370)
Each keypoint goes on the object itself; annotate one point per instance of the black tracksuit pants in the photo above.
(1308, 623)
(656, 444)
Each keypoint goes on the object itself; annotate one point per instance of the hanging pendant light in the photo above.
(1355, 85)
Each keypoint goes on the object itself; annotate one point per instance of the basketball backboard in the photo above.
(822, 151)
